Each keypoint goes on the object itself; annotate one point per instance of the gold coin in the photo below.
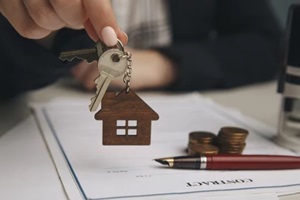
(232, 149)
(229, 141)
(233, 145)
(232, 135)
(197, 149)
(201, 137)
(234, 130)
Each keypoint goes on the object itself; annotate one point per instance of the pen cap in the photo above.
(289, 84)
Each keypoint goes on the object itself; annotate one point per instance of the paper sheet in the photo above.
(26, 170)
(106, 172)
(271, 196)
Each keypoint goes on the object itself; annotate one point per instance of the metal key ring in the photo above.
(101, 47)
(120, 45)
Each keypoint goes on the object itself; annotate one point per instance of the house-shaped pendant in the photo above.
(126, 119)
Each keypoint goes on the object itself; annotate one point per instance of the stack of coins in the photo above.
(201, 142)
(231, 140)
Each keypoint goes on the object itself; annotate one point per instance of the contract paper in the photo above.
(95, 171)
(26, 172)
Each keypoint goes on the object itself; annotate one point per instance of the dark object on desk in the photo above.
(126, 119)
(233, 162)
(289, 84)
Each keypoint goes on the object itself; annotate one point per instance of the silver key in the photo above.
(111, 64)
(89, 55)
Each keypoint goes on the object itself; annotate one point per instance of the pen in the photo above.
(232, 162)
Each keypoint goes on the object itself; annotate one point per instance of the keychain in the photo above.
(126, 118)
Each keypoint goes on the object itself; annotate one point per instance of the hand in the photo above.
(35, 19)
(151, 70)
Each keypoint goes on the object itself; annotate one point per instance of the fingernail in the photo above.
(126, 37)
(109, 36)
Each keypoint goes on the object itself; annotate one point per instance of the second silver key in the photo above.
(111, 64)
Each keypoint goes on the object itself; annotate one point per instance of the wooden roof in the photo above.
(125, 106)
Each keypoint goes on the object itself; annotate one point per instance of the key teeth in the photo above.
(92, 109)
(96, 80)
(97, 85)
(69, 59)
(65, 59)
(98, 88)
(92, 105)
(93, 99)
(77, 57)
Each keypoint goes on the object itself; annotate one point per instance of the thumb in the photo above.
(101, 22)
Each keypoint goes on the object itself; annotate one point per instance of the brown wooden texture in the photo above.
(126, 113)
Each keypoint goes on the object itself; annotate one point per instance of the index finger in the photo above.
(100, 15)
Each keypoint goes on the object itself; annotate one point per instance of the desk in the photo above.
(20, 180)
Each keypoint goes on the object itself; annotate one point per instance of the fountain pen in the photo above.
(232, 162)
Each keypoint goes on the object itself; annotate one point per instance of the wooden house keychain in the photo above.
(126, 118)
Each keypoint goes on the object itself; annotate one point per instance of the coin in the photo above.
(202, 149)
(201, 137)
(237, 149)
(231, 140)
(234, 130)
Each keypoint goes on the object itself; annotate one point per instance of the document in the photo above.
(26, 172)
(90, 170)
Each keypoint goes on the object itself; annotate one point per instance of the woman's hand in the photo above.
(35, 19)
(150, 70)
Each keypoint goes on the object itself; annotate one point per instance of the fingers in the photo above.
(36, 19)
(123, 37)
(16, 13)
(43, 14)
(90, 30)
(104, 24)
(70, 11)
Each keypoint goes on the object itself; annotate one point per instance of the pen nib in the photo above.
(162, 161)
(166, 161)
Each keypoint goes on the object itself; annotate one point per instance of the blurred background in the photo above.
(15, 108)
(281, 8)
